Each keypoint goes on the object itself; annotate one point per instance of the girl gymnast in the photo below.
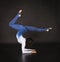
(21, 29)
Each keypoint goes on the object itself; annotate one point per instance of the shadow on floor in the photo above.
(46, 52)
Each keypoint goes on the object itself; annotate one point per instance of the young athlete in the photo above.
(21, 29)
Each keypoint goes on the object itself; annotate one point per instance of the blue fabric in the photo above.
(23, 29)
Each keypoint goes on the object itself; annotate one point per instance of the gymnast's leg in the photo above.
(31, 28)
(12, 22)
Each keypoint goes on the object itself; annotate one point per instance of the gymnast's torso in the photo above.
(20, 37)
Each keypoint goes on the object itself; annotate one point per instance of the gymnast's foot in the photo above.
(48, 29)
(20, 11)
(30, 51)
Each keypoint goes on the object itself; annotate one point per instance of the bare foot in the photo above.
(48, 29)
(20, 11)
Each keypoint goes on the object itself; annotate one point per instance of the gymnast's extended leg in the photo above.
(15, 26)
(31, 28)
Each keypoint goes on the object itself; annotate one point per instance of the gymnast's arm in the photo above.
(31, 28)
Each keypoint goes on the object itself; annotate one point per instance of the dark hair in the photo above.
(29, 39)
(29, 42)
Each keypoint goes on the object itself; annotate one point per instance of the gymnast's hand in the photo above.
(48, 29)
(20, 12)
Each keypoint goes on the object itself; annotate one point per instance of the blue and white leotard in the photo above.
(23, 29)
